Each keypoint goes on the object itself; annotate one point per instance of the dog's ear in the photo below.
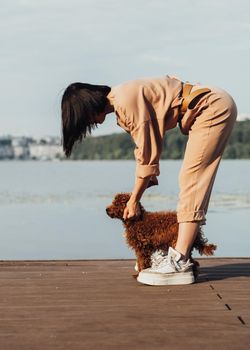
(126, 196)
(122, 197)
(116, 197)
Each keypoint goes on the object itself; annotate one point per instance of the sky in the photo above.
(46, 45)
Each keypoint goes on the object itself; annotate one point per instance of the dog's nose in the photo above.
(107, 210)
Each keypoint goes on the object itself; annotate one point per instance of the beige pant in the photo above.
(214, 117)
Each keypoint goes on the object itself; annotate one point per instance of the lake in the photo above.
(56, 210)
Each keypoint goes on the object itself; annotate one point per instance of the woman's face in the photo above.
(99, 119)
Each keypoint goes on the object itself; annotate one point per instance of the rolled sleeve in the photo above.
(147, 170)
(148, 150)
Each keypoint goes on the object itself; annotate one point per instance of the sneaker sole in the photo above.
(161, 279)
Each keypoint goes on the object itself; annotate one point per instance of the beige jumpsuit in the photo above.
(147, 108)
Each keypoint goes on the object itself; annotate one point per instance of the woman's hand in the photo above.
(131, 210)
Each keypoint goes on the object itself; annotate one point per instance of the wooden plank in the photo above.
(98, 305)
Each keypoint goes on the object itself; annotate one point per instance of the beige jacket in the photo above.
(146, 108)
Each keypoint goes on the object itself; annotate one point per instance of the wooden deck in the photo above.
(98, 305)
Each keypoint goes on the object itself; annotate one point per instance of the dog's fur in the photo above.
(152, 231)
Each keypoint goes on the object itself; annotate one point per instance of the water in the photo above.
(56, 210)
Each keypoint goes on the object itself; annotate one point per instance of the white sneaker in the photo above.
(170, 269)
(156, 257)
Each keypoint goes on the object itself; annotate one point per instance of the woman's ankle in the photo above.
(184, 255)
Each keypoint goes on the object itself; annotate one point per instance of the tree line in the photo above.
(121, 146)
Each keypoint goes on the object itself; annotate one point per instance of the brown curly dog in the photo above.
(152, 231)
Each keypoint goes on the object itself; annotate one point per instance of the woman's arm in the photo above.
(132, 208)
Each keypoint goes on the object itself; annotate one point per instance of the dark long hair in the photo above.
(80, 104)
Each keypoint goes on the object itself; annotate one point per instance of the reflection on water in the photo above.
(57, 210)
(36, 198)
(226, 200)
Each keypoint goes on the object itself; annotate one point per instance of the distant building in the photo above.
(45, 151)
(243, 116)
(20, 147)
(6, 149)
(24, 148)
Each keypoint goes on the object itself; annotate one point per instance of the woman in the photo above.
(146, 109)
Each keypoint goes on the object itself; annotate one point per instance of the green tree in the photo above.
(121, 146)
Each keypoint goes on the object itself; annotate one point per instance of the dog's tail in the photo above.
(207, 249)
(201, 244)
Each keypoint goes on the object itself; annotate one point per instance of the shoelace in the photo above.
(174, 263)
(180, 265)
(158, 258)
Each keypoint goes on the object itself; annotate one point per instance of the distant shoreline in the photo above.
(121, 146)
(116, 146)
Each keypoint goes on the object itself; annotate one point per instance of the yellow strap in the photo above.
(187, 97)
